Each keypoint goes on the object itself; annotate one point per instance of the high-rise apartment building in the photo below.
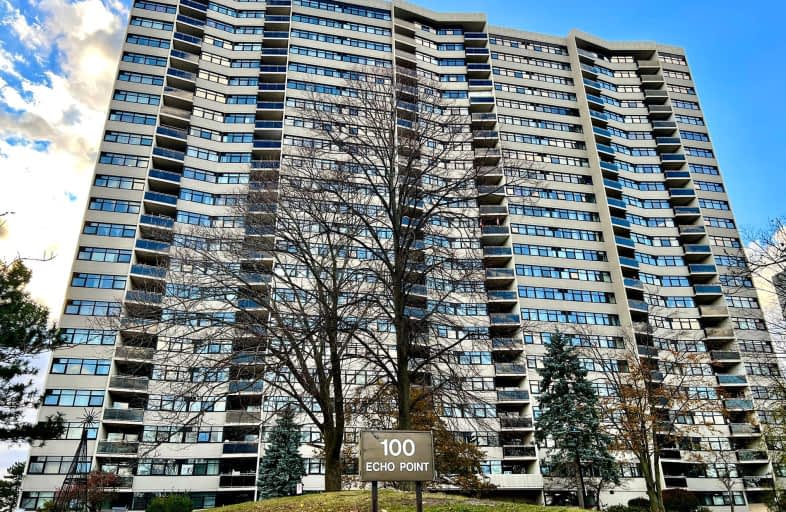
(626, 221)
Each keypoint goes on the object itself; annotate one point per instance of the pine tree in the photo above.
(10, 486)
(281, 468)
(570, 417)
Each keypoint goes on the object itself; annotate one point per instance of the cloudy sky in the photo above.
(57, 62)
(58, 59)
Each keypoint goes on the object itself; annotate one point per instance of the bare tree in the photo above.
(353, 265)
(653, 398)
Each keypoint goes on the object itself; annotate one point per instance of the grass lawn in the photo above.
(389, 501)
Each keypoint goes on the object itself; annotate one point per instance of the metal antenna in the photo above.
(72, 495)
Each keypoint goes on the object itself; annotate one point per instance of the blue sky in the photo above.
(736, 52)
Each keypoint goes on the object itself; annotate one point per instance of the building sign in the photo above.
(396, 456)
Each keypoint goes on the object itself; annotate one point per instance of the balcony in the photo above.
(512, 395)
(507, 344)
(133, 353)
(503, 274)
(270, 105)
(601, 117)
(714, 312)
(592, 86)
(510, 370)
(146, 272)
(493, 210)
(737, 404)
(502, 296)
(633, 284)
(664, 127)
(505, 320)
(157, 221)
(744, 429)
(647, 351)
(167, 179)
(629, 262)
(169, 154)
(172, 132)
(624, 241)
(732, 380)
(117, 448)
(753, 456)
(654, 96)
(686, 213)
(659, 111)
(620, 224)
(605, 149)
(518, 452)
(609, 166)
(697, 251)
(718, 333)
(243, 417)
(161, 198)
(497, 253)
(515, 422)
(601, 134)
(618, 204)
(692, 233)
(144, 297)
(667, 144)
(124, 415)
(707, 291)
(724, 356)
(702, 270)
(672, 160)
(152, 246)
(681, 195)
(246, 386)
(238, 480)
(758, 482)
(595, 101)
(239, 447)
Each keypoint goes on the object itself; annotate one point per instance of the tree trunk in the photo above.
(333, 468)
(653, 490)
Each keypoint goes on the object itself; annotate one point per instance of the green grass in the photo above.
(389, 501)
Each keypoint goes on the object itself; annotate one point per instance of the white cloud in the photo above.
(47, 188)
(50, 129)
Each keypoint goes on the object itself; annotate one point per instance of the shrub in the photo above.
(678, 500)
(639, 503)
(170, 503)
(620, 508)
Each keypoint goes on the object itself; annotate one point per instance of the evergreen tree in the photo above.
(10, 485)
(24, 335)
(570, 417)
(281, 468)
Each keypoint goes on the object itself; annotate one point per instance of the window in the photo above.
(92, 308)
(74, 397)
(153, 42)
(714, 204)
(136, 97)
(113, 205)
(140, 58)
(132, 117)
(154, 6)
(82, 280)
(554, 232)
(698, 121)
(107, 229)
(704, 169)
(76, 366)
(150, 23)
(122, 182)
(36, 500)
(532, 292)
(88, 336)
(701, 137)
(573, 317)
(699, 152)
(140, 78)
(749, 324)
(563, 273)
(709, 186)
(104, 255)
